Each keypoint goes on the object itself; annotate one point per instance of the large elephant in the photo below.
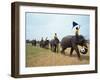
(33, 42)
(54, 44)
(44, 44)
(73, 42)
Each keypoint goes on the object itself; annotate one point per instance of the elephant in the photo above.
(72, 42)
(54, 44)
(33, 42)
(41, 43)
(44, 44)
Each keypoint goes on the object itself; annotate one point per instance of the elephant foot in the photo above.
(62, 52)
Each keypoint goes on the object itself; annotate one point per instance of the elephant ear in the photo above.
(82, 38)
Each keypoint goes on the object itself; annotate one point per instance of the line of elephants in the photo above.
(66, 42)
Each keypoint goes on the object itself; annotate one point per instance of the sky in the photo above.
(44, 25)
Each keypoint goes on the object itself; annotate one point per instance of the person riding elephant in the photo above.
(55, 36)
(54, 43)
(77, 33)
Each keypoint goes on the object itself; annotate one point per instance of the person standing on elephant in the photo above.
(77, 28)
(77, 32)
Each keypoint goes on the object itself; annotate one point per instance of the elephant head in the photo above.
(82, 41)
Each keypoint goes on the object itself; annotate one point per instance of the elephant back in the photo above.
(67, 41)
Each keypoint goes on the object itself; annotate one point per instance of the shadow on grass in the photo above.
(83, 57)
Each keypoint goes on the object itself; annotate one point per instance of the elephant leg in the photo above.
(62, 51)
(51, 47)
(72, 49)
(54, 48)
(77, 51)
(57, 48)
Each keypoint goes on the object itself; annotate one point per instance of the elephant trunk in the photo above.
(85, 45)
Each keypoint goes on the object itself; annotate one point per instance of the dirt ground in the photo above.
(36, 56)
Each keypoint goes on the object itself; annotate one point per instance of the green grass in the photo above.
(35, 51)
(34, 54)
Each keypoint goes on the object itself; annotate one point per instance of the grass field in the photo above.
(36, 56)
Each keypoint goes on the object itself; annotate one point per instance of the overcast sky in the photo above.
(45, 25)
